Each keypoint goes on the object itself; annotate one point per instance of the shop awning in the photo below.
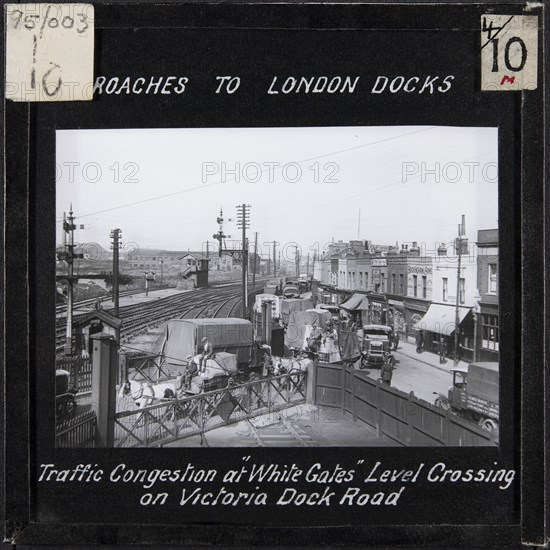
(441, 319)
(355, 303)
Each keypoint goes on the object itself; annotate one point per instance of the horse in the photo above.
(288, 365)
(147, 393)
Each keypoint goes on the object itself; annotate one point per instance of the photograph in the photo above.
(277, 287)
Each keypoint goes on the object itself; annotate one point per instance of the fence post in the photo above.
(77, 365)
(310, 382)
(344, 389)
(104, 372)
(378, 390)
(409, 412)
(353, 400)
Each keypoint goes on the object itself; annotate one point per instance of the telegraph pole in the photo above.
(69, 227)
(115, 235)
(307, 268)
(297, 260)
(255, 259)
(274, 259)
(243, 222)
(459, 245)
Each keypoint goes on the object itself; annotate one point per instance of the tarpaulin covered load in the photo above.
(356, 302)
(294, 304)
(182, 338)
(348, 342)
(483, 381)
(302, 325)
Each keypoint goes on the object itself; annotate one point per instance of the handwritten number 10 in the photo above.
(509, 66)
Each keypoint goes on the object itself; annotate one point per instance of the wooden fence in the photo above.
(79, 368)
(395, 414)
(79, 431)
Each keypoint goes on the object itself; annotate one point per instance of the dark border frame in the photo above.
(18, 277)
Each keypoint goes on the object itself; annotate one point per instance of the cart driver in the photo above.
(207, 353)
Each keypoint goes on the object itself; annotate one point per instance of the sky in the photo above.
(164, 187)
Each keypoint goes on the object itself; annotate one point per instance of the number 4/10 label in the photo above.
(509, 47)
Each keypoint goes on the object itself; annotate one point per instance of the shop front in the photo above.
(396, 317)
(414, 311)
(439, 326)
(377, 314)
(488, 334)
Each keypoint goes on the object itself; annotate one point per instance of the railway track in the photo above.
(61, 309)
(221, 301)
(281, 434)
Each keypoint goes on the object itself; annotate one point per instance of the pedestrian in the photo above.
(207, 353)
(396, 340)
(419, 341)
(386, 371)
(442, 350)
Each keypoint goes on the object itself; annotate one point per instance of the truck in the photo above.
(474, 394)
(377, 340)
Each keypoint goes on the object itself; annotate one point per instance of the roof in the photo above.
(101, 314)
(356, 302)
(440, 318)
(196, 255)
(377, 327)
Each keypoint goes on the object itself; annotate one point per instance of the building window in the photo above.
(360, 278)
(445, 289)
(424, 286)
(493, 279)
(489, 332)
(401, 279)
(462, 290)
(415, 285)
(393, 284)
(367, 279)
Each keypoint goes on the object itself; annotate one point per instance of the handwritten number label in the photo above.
(49, 52)
(509, 52)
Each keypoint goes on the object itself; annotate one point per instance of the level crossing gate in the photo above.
(175, 419)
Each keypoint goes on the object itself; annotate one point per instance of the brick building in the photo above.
(487, 333)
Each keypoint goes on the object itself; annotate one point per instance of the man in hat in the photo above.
(207, 353)
(386, 371)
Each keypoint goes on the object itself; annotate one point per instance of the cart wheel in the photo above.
(442, 404)
(489, 425)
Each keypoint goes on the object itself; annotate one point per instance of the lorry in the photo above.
(474, 394)
(377, 340)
